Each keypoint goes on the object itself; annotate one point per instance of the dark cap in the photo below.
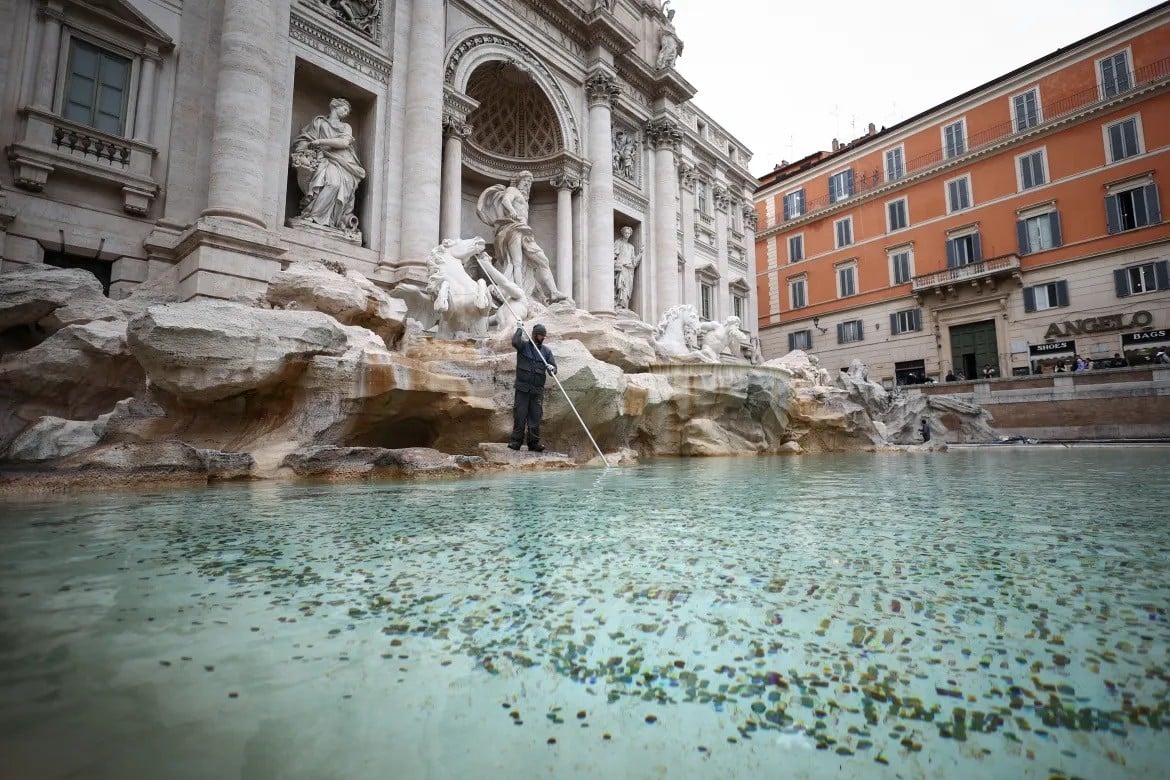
(539, 330)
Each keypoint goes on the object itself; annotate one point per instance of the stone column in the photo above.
(144, 111)
(722, 200)
(664, 137)
(687, 175)
(751, 317)
(565, 184)
(451, 211)
(46, 70)
(423, 123)
(243, 97)
(602, 90)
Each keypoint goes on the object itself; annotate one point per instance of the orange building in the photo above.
(1008, 229)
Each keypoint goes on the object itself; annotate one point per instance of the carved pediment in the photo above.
(124, 16)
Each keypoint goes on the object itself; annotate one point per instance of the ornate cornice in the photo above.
(663, 133)
(362, 16)
(338, 48)
(602, 89)
(456, 104)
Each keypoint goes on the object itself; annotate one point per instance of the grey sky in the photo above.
(787, 76)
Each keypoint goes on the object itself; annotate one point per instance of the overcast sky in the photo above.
(788, 76)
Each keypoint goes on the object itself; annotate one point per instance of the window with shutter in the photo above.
(844, 231)
(900, 271)
(959, 194)
(895, 164)
(1114, 72)
(897, 217)
(794, 205)
(1026, 110)
(1123, 139)
(1133, 208)
(795, 248)
(846, 281)
(1046, 296)
(840, 186)
(1032, 170)
(955, 139)
(1039, 233)
(1144, 278)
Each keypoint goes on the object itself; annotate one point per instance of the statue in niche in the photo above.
(362, 15)
(626, 260)
(668, 50)
(717, 337)
(604, 5)
(328, 172)
(505, 210)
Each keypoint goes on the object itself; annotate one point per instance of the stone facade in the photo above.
(143, 135)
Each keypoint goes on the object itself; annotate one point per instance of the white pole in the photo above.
(504, 298)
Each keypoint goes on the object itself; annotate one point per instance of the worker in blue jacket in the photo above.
(528, 407)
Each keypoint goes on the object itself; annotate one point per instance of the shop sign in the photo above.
(1103, 324)
(1053, 346)
(1145, 337)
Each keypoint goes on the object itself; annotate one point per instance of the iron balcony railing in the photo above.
(970, 272)
(1051, 110)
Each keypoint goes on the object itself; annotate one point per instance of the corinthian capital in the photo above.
(566, 181)
(750, 216)
(454, 126)
(602, 89)
(663, 134)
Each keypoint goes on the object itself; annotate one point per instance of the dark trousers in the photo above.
(527, 410)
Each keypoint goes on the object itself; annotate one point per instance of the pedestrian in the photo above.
(1161, 357)
(951, 376)
(925, 430)
(528, 406)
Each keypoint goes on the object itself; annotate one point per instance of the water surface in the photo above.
(968, 615)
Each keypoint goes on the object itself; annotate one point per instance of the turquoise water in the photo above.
(967, 615)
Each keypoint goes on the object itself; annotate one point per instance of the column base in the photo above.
(225, 259)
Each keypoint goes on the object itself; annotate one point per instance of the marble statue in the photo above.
(626, 259)
(668, 50)
(718, 336)
(858, 371)
(328, 172)
(505, 210)
(625, 152)
(462, 303)
(606, 5)
(678, 334)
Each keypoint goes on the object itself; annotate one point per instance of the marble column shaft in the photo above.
(602, 90)
(723, 292)
(423, 128)
(687, 182)
(664, 137)
(243, 97)
(46, 70)
(144, 111)
(451, 210)
(565, 186)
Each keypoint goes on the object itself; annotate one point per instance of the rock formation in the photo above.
(337, 381)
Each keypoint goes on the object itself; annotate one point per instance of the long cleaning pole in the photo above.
(553, 374)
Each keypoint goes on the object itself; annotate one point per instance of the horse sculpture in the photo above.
(462, 303)
(677, 335)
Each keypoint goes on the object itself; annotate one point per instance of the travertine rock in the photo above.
(204, 351)
(629, 351)
(351, 299)
(53, 437)
(52, 298)
(78, 373)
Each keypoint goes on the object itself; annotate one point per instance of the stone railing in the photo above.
(970, 272)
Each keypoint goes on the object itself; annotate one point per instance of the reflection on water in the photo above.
(975, 614)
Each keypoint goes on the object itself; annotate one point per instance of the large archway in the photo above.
(515, 119)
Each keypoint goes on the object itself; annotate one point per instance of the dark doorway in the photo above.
(973, 345)
(99, 268)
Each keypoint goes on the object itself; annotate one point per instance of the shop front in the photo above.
(1140, 348)
(1052, 357)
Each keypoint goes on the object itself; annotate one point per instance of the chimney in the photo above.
(836, 144)
(872, 128)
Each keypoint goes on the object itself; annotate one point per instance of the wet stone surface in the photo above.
(974, 614)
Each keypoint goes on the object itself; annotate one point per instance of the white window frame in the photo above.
(1128, 51)
(891, 253)
(843, 197)
(1043, 150)
(707, 287)
(1030, 214)
(837, 233)
(788, 245)
(1151, 264)
(1039, 109)
(905, 207)
(970, 194)
(784, 199)
(850, 265)
(739, 304)
(808, 337)
(802, 281)
(1141, 138)
(943, 134)
(901, 314)
(1048, 304)
(901, 149)
(857, 326)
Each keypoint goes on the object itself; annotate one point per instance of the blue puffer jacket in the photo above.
(530, 371)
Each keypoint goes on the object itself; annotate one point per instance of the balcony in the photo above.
(50, 143)
(1056, 110)
(987, 272)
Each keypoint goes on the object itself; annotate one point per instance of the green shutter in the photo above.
(1112, 214)
(1062, 293)
(1029, 299)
